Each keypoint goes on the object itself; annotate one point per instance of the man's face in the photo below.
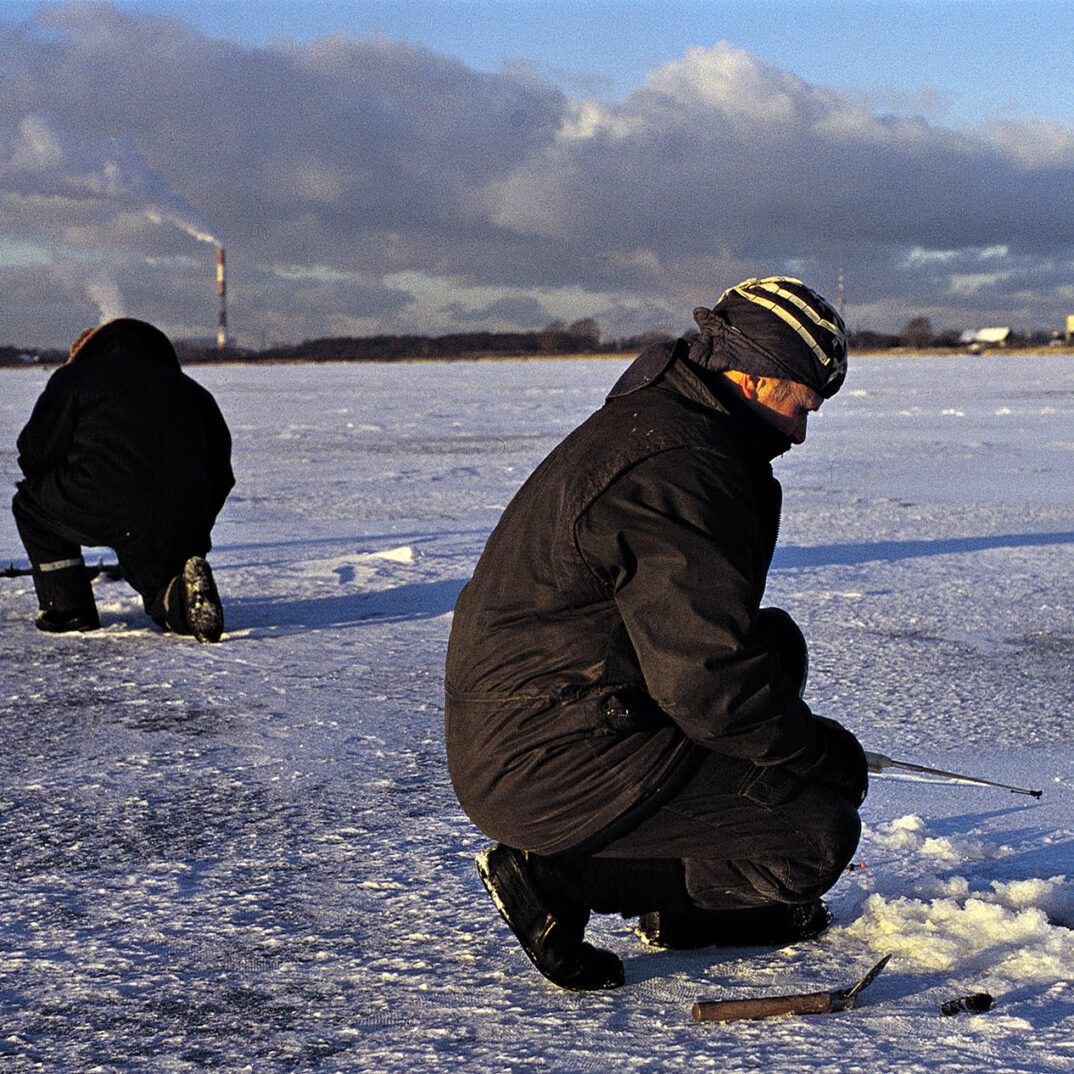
(786, 404)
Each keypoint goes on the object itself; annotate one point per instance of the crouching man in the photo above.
(622, 716)
(124, 451)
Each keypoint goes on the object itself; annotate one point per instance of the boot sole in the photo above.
(203, 610)
(81, 624)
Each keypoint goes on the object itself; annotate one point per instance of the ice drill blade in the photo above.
(844, 999)
(869, 977)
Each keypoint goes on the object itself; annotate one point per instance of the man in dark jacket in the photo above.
(125, 451)
(622, 716)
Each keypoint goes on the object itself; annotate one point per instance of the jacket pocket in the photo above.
(769, 785)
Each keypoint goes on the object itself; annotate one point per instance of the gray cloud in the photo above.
(365, 185)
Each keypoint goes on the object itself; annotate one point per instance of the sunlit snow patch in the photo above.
(966, 933)
(404, 554)
(909, 833)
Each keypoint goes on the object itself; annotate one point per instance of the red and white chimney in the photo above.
(221, 290)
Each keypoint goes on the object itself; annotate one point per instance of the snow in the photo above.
(248, 856)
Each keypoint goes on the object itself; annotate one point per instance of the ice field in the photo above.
(248, 856)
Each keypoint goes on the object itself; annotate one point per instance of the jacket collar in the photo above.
(709, 390)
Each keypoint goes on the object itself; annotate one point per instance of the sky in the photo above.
(424, 166)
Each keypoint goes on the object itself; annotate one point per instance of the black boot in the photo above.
(192, 603)
(757, 926)
(550, 934)
(65, 597)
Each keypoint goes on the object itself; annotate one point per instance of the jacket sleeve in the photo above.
(44, 441)
(677, 541)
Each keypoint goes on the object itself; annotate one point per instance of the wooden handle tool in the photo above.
(729, 1010)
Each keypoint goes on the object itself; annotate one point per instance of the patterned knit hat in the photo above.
(774, 327)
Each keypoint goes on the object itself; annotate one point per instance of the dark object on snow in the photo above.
(975, 1004)
(878, 762)
(124, 451)
(618, 705)
(753, 926)
(635, 552)
(727, 1010)
(550, 935)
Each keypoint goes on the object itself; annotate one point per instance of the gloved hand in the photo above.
(779, 633)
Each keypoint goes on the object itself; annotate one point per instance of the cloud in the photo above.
(370, 185)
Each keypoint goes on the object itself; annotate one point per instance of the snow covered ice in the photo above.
(248, 856)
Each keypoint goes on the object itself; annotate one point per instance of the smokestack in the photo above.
(221, 290)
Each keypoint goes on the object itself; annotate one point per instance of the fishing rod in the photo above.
(878, 762)
(112, 571)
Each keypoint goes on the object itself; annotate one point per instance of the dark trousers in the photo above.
(60, 578)
(732, 836)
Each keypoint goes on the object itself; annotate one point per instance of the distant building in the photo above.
(1070, 328)
(986, 337)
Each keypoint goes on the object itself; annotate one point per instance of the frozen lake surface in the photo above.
(248, 856)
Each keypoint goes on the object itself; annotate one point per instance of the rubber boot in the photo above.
(65, 597)
(549, 929)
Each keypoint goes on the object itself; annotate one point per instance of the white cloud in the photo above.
(335, 170)
(34, 148)
(917, 256)
(966, 284)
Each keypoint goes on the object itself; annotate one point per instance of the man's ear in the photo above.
(750, 386)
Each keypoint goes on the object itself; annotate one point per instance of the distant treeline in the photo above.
(23, 356)
(582, 337)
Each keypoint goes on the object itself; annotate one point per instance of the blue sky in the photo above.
(494, 164)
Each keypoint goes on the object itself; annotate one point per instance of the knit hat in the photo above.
(774, 327)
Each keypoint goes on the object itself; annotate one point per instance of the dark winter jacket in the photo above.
(124, 450)
(610, 630)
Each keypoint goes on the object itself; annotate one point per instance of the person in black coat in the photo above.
(622, 715)
(124, 450)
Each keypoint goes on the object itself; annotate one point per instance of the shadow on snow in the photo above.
(828, 555)
(411, 602)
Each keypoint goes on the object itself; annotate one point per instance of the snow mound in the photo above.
(909, 833)
(405, 554)
(966, 934)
